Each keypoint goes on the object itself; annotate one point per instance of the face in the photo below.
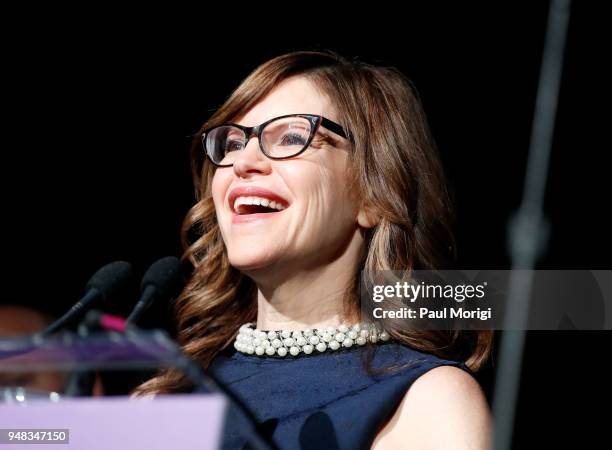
(318, 216)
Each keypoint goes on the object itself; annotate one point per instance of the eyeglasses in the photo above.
(279, 138)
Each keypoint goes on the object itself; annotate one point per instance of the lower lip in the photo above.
(247, 218)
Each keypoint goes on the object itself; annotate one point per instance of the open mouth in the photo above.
(256, 205)
(251, 202)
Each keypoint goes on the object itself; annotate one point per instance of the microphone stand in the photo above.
(528, 229)
(81, 382)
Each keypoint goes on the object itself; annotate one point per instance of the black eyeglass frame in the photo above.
(315, 122)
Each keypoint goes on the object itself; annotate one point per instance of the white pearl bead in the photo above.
(308, 349)
(250, 340)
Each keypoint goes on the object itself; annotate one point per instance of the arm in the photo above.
(443, 409)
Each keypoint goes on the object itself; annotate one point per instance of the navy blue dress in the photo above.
(321, 401)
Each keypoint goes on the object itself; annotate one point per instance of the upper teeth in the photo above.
(257, 201)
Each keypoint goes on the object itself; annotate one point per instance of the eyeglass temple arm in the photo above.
(333, 126)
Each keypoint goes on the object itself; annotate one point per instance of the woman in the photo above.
(318, 168)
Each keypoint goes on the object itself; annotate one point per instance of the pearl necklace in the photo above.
(251, 341)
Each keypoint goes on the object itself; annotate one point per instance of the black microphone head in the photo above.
(164, 275)
(111, 278)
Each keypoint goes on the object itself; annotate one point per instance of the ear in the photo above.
(366, 218)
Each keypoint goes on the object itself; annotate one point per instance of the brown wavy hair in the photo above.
(396, 172)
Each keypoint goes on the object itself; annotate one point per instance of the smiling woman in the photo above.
(315, 169)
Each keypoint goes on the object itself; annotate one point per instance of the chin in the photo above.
(248, 261)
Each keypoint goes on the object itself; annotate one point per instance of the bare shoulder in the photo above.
(444, 408)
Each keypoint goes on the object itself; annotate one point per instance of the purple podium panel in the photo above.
(175, 422)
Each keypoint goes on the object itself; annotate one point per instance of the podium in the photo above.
(183, 421)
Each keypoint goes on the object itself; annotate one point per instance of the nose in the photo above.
(251, 160)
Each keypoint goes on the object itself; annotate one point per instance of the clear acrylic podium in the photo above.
(186, 421)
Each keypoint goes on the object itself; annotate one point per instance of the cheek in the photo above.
(326, 207)
(220, 184)
(333, 189)
(217, 184)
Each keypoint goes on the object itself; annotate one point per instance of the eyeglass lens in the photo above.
(281, 138)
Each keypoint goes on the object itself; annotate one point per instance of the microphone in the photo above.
(105, 283)
(160, 280)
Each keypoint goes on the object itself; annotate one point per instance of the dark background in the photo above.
(98, 107)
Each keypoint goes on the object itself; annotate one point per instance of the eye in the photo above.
(293, 139)
(233, 145)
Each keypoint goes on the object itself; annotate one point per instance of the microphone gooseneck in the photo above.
(105, 283)
(161, 280)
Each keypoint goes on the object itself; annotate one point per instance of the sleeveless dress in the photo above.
(320, 401)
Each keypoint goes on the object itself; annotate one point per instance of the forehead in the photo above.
(295, 95)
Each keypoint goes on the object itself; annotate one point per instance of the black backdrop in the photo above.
(98, 106)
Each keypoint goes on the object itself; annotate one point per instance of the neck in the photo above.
(311, 298)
